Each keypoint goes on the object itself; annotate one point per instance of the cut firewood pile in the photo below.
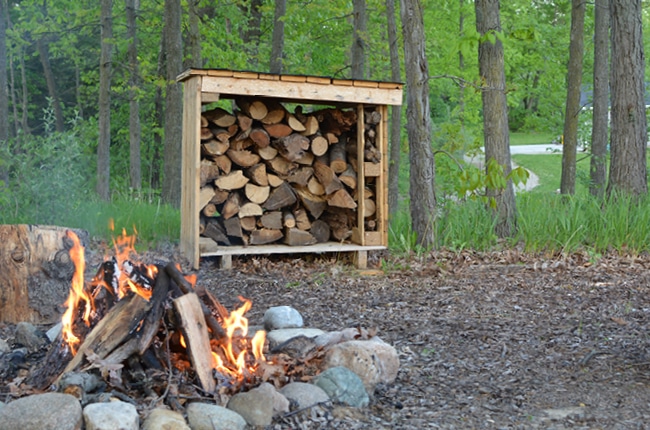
(148, 333)
(271, 176)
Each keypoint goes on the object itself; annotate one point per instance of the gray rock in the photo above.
(164, 419)
(111, 416)
(277, 337)
(304, 395)
(344, 386)
(373, 360)
(279, 317)
(49, 411)
(204, 416)
(259, 405)
(29, 336)
(4, 347)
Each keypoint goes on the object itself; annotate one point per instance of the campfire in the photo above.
(134, 309)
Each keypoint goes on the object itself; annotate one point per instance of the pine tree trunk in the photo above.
(135, 172)
(572, 109)
(103, 146)
(629, 136)
(598, 167)
(358, 51)
(171, 191)
(418, 114)
(277, 46)
(495, 111)
(395, 112)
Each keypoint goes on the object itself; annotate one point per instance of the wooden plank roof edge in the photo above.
(325, 80)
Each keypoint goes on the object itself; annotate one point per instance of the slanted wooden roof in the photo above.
(315, 89)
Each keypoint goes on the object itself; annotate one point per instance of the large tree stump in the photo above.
(36, 272)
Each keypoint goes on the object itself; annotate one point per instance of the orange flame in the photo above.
(234, 363)
(77, 293)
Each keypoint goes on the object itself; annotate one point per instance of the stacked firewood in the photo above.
(271, 176)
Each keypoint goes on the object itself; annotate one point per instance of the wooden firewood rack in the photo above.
(203, 86)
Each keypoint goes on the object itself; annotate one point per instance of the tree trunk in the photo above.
(135, 172)
(194, 35)
(359, 35)
(44, 55)
(597, 170)
(103, 146)
(495, 111)
(253, 31)
(4, 95)
(629, 136)
(395, 112)
(277, 46)
(418, 113)
(171, 191)
(572, 109)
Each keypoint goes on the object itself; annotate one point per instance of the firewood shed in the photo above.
(288, 164)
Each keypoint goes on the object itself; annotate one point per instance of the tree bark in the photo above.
(4, 95)
(277, 46)
(395, 113)
(53, 92)
(194, 35)
(103, 146)
(171, 191)
(418, 113)
(251, 36)
(359, 35)
(135, 172)
(572, 109)
(598, 167)
(495, 110)
(629, 136)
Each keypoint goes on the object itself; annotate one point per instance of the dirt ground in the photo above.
(493, 341)
(499, 340)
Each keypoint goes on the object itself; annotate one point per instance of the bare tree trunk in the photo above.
(359, 36)
(156, 157)
(4, 94)
(135, 172)
(251, 36)
(495, 111)
(395, 113)
(572, 109)
(194, 35)
(277, 47)
(44, 55)
(598, 167)
(25, 97)
(418, 114)
(629, 136)
(171, 191)
(103, 146)
(461, 64)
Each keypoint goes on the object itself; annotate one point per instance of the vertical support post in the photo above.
(382, 182)
(361, 177)
(191, 165)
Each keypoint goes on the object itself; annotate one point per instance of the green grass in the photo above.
(548, 167)
(521, 138)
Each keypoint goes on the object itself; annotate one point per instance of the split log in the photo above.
(291, 146)
(209, 210)
(244, 121)
(320, 230)
(231, 206)
(281, 197)
(213, 148)
(220, 117)
(208, 172)
(314, 204)
(341, 199)
(302, 219)
(233, 227)
(301, 176)
(288, 219)
(205, 195)
(188, 309)
(349, 177)
(256, 193)
(255, 109)
(215, 230)
(327, 178)
(315, 187)
(297, 237)
(232, 181)
(250, 209)
(272, 220)
(248, 223)
(267, 153)
(206, 134)
(306, 159)
(241, 143)
(224, 163)
(36, 272)
(295, 124)
(338, 159)
(275, 112)
(274, 180)
(311, 126)
(278, 131)
(264, 236)
(257, 174)
(260, 137)
(243, 158)
(282, 166)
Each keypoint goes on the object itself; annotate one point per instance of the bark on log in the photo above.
(36, 272)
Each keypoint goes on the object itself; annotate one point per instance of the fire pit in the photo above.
(149, 334)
